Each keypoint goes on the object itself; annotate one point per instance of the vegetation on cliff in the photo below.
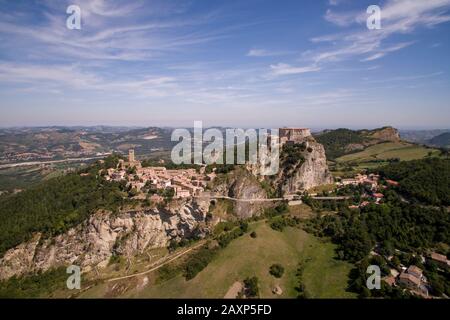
(54, 206)
(34, 285)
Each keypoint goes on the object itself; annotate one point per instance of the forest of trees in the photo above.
(412, 226)
(394, 224)
(39, 285)
(54, 206)
(388, 227)
(426, 180)
(336, 141)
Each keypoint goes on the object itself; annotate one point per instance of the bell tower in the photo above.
(131, 156)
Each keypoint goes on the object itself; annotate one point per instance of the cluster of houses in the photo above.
(184, 182)
(372, 182)
(412, 277)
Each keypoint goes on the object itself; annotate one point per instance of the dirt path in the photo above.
(234, 290)
(166, 261)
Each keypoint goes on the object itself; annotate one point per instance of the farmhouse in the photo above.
(440, 259)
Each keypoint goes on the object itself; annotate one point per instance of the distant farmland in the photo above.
(389, 150)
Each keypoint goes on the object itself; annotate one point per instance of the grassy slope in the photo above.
(383, 151)
(323, 276)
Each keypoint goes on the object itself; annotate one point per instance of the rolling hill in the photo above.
(344, 141)
(48, 143)
(442, 140)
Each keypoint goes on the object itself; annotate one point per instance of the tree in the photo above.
(251, 287)
(365, 293)
(133, 192)
(276, 270)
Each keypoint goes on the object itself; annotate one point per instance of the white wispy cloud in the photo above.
(266, 53)
(398, 17)
(62, 75)
(336, 2)
(341, 19)
(110, 31)
(384, 51)
(281, 69)
(408, 78)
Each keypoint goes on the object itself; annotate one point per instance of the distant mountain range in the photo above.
(425, 136)
(48, 143)
(442, 140)
(58, 142)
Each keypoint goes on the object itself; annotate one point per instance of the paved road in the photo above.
(332, 198)
(239, 199)
(290, 200)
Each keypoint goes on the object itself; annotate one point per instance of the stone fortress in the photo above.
(293, 135)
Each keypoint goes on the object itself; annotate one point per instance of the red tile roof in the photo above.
(410, 277)
(378, 195)
(439, 257)
(392, 182)
(414, 269)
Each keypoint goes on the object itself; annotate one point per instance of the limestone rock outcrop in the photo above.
(385, 134)
(242, 184)
(309, 172)
(94, 241)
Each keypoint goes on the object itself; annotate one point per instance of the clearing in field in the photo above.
(323, 276)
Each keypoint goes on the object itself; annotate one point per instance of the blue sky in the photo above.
(246, 63)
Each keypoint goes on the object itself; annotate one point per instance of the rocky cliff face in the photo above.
(241, 184)
(308, 169)
(385, 134)
(94, 241)
(313, 171)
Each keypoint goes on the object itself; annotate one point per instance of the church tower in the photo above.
(131, 156)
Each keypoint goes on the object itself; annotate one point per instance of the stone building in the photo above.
(295, 135)
(131, 158)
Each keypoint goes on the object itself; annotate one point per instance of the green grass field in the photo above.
(323, 276)
(384, 151)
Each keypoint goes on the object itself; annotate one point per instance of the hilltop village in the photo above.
(179, 183)
(185, 183)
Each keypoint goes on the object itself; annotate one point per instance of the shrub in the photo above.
(198, 261)
(251, 287)
(276, 270)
